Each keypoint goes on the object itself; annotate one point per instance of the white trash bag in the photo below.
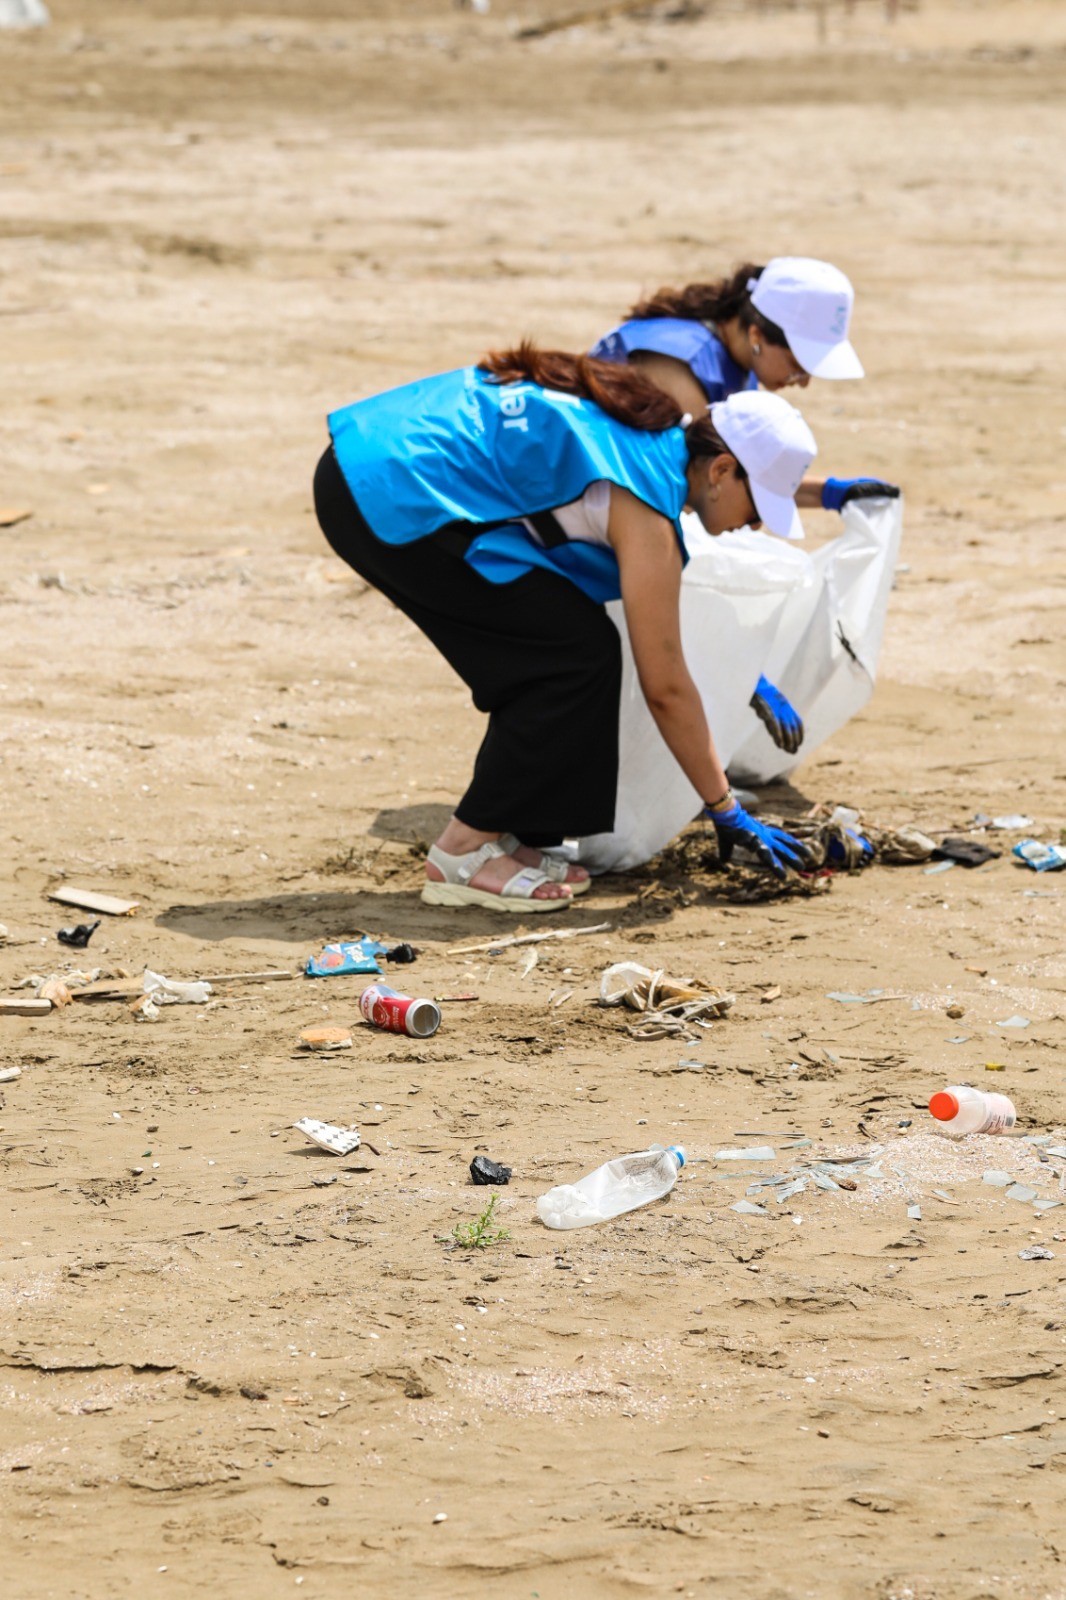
(23, 14)
(754, 606)
(824, 658)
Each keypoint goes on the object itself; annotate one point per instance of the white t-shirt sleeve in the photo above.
(585, 518)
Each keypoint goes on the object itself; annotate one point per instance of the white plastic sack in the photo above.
(23, 14)
(752, 606)
(828, 643)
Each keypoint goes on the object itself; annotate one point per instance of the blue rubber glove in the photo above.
(774, 847)
(781, 719)
(836, 492)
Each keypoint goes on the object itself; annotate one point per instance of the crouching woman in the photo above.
(500, 507)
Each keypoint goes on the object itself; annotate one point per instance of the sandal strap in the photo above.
(522, 885)
(460, 869)
(555, 871)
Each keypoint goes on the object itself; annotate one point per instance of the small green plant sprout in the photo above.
(479, 1234)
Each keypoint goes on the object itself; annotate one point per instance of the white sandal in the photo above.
(553, 869)
(456, 890)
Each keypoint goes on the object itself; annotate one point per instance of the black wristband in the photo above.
(722, 803)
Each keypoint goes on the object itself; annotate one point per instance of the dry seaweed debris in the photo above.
(671, 1007)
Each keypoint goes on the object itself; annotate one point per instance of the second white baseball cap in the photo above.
(774, 446)
(811, 303)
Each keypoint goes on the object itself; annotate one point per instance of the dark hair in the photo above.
(620, 390)
(712, 302)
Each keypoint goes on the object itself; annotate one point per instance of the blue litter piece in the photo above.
(348, 955)
(1041, 857)
(1014, 1022)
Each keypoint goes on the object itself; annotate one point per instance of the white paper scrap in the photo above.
(338, 1141)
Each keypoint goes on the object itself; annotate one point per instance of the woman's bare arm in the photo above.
(650, 564)
(809, 493)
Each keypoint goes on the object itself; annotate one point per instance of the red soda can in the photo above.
(398, 1013)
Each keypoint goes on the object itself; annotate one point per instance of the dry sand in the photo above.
(248, 1366)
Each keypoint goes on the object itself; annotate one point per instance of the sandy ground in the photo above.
(230, 1363)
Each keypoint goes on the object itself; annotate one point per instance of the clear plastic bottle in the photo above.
(962, 1109)
(619, 1185)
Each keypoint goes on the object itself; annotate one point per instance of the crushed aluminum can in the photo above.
(399, 1013)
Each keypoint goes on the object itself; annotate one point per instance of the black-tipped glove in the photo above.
(836, 492)
(779, 717)
(775, 848)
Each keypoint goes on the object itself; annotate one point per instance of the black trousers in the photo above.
(538, 655)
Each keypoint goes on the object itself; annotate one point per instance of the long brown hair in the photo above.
(712, 302)
(622, 391)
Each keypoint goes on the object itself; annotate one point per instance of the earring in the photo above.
(756, 349)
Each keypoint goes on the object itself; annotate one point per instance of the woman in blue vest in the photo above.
(499, 507)
(777, 325)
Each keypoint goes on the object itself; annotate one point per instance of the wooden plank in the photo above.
(16, 1006)
(89, 900)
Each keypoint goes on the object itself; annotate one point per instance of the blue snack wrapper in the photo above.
(349, 955)
(1041, 857)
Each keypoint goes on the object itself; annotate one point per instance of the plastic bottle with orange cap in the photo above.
(962, 1109)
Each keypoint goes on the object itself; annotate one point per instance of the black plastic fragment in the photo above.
(403, 953)
(483, 1171)
(967, 852)
(78, 937)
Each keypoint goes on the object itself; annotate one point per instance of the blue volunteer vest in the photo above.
(460, 448)
(686, 340)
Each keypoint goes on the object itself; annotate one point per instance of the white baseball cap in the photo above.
(774, 446)
(811, 303)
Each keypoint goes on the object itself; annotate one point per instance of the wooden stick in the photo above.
(528, 938)
(575, 19)
(248, 977)
(108, 990)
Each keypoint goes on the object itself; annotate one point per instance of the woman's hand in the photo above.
(774, 847)
(778, 716)
(839, 492)
(833, 494)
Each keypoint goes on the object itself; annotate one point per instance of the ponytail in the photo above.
(623, 392)
(712, 302)
(620, 390)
